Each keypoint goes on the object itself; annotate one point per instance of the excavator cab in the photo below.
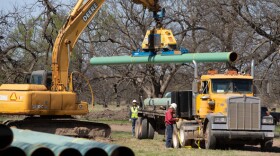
(41, 77)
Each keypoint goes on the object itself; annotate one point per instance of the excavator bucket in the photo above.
(152, 5)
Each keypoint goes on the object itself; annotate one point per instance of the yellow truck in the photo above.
(220, 111)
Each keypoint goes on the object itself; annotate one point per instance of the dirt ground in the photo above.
(121, 127)
(109, 114)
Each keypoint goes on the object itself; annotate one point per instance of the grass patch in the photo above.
(156, 147)
(277, 128)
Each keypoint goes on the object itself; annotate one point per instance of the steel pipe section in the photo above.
(33, 149)
(159, 59)
(6, 136)
(87, 150)
(62, 150)
(112, 150)
(83, 145)
(12, 151)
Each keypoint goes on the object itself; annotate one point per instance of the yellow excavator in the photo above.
(49, 99)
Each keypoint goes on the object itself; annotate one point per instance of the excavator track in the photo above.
(62, 126)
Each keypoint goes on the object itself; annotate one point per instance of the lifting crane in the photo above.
(49, 99)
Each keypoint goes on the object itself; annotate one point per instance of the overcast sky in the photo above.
(8, 4)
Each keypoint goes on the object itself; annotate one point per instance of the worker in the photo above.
(169, 121)
(133, 113)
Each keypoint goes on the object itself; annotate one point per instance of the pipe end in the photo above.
(122, 151)
(6, 136)
(12, 151)
(96, 151)
(42, 152)
(233, 56)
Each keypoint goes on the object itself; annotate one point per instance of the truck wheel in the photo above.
(144, 128)
(184, 138)
(266, 145)
(210, 140)
(151, 129)
(138, 125)
(237, 146)
(175, 139)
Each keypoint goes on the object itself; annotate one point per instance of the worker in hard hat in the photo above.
(169, 121)
(133, 115)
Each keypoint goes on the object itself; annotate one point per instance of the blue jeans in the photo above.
(133, 125)
(169, 132)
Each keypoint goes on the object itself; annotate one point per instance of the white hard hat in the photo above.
(173, 105)
(134, 101)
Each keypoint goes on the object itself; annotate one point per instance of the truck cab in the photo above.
(230, 113)
(215, 88)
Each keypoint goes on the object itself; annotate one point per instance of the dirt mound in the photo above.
(108, 114)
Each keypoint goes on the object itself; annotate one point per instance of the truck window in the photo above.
(167, 95)
(232, 86)
(36, 79)
(205, 87)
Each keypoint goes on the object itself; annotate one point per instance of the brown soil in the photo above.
(108, 114)
(120, 128)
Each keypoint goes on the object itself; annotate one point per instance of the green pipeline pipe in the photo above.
(31, 137)
(33, 149)
(62, 150)
(159, 59)
(87, 150)
(6, 137)
(157, 101)
(12, 151)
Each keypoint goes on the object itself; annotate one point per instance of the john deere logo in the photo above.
(90, 11)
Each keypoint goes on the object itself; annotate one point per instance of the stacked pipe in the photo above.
(29, 143)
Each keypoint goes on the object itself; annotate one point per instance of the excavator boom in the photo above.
(79, 18)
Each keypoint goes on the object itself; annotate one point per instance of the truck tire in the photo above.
(210, 140)
(266, 145)
(175, 139)
(144, 128)
(138, 132)
(151, 128)
(184, 138)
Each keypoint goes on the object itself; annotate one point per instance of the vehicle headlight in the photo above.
(267, 120)
(220, 120)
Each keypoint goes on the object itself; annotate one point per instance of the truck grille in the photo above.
(244, 113)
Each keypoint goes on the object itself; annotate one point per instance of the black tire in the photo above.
(210, 140)
(175, 139)
(237, 146)
(151, 128)
(138, 129)
(144, 128)
(266, 145)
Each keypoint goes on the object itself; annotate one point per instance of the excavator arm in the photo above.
(80, 17)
